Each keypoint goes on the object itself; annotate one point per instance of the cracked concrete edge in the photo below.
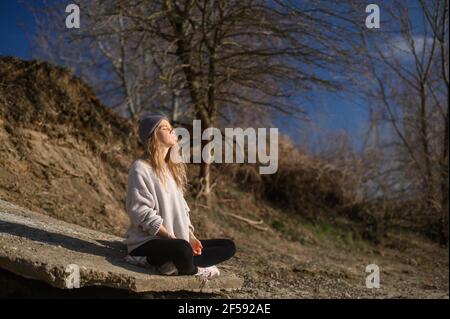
(18, 255)
(57, 275)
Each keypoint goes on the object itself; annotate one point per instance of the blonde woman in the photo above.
(161, 234)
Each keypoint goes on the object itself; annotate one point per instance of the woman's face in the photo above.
(166, 134)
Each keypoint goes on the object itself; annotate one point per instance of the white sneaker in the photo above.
(168, 269)
(208, 272)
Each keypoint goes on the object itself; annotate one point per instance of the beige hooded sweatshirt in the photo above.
(149, 204)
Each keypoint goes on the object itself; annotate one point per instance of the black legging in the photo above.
(179, 251)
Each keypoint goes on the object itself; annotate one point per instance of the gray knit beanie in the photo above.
(148, 124)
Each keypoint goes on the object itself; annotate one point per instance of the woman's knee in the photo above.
(231, 247)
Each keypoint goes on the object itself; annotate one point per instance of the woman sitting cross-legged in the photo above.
(161, 233)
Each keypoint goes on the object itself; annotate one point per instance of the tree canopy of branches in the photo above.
(208, 60)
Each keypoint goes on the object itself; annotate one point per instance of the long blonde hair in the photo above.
(152, 155)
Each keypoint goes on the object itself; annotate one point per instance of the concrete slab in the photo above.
(39, 247)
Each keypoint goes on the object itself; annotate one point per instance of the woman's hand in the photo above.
(196, 245)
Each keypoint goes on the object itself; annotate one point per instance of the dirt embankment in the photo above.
(62, 152)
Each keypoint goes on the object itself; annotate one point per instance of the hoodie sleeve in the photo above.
(191, 228)
(187, 210)
(141, 203)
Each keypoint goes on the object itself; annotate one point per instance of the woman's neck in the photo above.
(164, 152)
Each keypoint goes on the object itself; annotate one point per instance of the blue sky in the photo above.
(13, 41)
(330, 113)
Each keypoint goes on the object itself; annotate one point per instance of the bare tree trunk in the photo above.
(205, 167)
(428, 175)
(445, 186)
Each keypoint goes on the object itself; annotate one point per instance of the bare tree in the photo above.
(241, 54)
(208, 60)
(407, 66)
